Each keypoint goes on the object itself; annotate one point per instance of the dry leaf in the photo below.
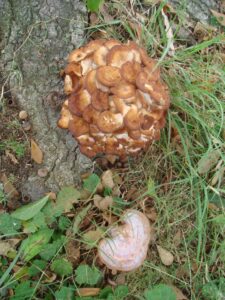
(218, 176)
(73, 251)
(165, 256)
(11, 157)
(169, 34)
(84, 292)
(103, 203)
(36, 153)
(179, 294)
(9, 189)
(107, 179)
(91, 237)
(208, 161)
(219, 17)
(177, 238)
(109, 218)
(9, 245)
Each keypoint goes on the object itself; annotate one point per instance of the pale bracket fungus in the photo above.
(127, 247)
(117, 102)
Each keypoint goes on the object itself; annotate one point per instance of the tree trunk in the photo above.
(36, 37)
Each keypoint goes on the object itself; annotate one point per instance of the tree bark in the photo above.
(36, 37)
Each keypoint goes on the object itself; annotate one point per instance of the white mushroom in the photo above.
(127, 248)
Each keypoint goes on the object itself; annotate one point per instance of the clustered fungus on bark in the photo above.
(127, 247)
(117, 102)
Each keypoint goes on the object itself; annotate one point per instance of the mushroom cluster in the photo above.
(127, 248)
(116, 102)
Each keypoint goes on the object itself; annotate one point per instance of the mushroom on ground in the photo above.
(127, 248)
(117, 102)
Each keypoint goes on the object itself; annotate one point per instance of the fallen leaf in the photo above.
(11, 157)
(219, 17)
(5, 247)
(103, 203)
(84, 292)
(179, 294)
(92, 237)
(107, 179)
(218, 176)
(36, 153)
(165, 256)
(73, 251)
(109, 218)
(8, 187)
(208, 161)
(177, 238)
(169, 34)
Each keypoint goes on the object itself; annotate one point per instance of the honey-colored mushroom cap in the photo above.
(117, 102)
(127, 247)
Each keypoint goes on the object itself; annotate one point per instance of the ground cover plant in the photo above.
(48, 248)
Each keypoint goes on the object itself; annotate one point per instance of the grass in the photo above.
(196, 79)
(176, 176)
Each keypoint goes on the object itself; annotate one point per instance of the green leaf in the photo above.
(35, 243)
(87, 275)
(23, 291)
(49, 250)
(104, 293)
(36, 222)
(62, 267)
(8, 224)
(37, 266)
(64, 223)
(65, 293)
(121, 291)
(159, 292)
(66, 198)
(93, 5)
(28, 211)
(91, 183)
(64, 203)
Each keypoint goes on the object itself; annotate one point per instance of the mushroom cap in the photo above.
(117, 102)
(127, 248)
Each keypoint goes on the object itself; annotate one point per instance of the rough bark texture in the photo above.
(198, 10)
(36, 37)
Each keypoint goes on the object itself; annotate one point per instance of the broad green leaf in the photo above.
(23, 291)
(105, 292)
(49, 250)
(159, 292)
(91, 183)
(62, 267)
(8, 224)
(28, 211)
(87, 275)
(36, 222)
(121, 291)
(35, 243)
(151, 188)
(93, 5)
(64, 203)
(65, 293)
(37, 267)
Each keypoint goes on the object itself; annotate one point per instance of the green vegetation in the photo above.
(180, 179)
